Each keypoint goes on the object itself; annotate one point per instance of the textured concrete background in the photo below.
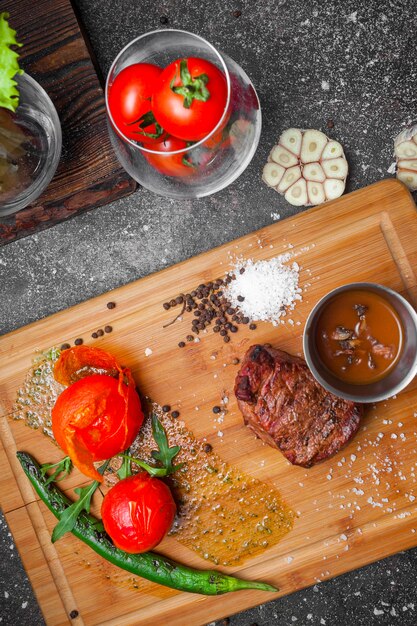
(352, 62)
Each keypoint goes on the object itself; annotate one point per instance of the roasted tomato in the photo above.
(100, 414)
(138, 512)
(129, 99)
(190, 98)
(177, 165)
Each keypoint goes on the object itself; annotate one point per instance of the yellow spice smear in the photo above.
(223, 514)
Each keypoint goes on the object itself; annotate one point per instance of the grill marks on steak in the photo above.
(285, 406)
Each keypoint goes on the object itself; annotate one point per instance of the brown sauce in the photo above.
(359, 336)
(224, 515)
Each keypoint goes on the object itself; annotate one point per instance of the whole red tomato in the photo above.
(95, 418)
(190, 98)
(129, 99)
(138, 512)
(171, 164)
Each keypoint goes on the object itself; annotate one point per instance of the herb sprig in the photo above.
(71, 514)
(63, 467)
(164, 455)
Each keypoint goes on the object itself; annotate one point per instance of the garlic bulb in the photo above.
(306, 167)
(405, 149)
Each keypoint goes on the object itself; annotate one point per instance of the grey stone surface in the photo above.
(352, 62)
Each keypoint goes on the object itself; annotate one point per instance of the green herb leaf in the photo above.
(125, 470)
(153, 471)
(63, 467)
(70, 515)
(165, 454)
(9, 65)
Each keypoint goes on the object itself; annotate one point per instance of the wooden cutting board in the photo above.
(56, 54)
(352, 509)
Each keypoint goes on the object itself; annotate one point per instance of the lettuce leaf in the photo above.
(9, 65)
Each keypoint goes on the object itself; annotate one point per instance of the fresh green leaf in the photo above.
(165, 454)
(153, 471)
(63, 467)
(9, 65)
(125, 470)
(70, 515)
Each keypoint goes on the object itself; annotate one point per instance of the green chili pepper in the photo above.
(148, 565)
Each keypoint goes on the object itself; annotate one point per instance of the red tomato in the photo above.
(95, 418)
(129, 99)
(171, 164)
(190, 98)
(138, 512)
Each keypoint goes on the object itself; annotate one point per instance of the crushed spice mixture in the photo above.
(223, 514)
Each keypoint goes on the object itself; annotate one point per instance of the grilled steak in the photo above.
(285, 406)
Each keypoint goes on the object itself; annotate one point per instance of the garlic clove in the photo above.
(333, 188)
(291, 139)
(315, 192)
(290, 177)
(405, 164)
(408, 178)
(283, 157)
(332, 150)
(406, 150)
(297, 168)
(297, 193)
(273, 173)
(312, 146)
(314, 171)
(335, 168)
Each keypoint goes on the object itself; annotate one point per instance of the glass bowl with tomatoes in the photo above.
(184, 119)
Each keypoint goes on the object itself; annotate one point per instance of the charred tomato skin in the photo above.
(138, 512)
(95, 418)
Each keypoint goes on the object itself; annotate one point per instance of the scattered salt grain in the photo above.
(148, 352)
(275, 216)
(269, 288)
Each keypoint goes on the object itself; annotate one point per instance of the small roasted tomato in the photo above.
(98, 415)
(138, 512)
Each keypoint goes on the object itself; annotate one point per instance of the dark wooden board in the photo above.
(55, 53)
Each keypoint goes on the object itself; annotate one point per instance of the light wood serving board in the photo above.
(353, 509)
